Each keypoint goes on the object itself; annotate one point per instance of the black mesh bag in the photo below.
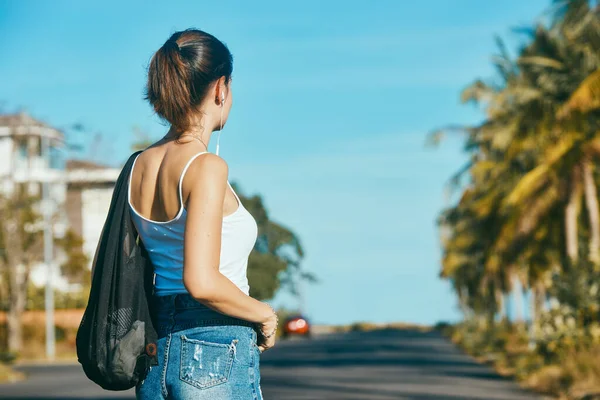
(116, 340)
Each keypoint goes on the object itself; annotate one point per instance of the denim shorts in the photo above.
(202, 354)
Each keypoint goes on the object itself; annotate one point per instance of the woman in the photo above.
(197, 233)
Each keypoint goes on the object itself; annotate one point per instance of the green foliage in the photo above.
(362, 327)
(529, 209)
(36, 298)
(263, 274)
(20, 235)
(571, 372)
(142, 139)
(275, 261)
(577, 286)
(34, 336)
(572, 323)
(7, 374)
(20, 247)
(75, 268)
(521, 215)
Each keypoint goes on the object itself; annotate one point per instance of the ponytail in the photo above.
(180, 73)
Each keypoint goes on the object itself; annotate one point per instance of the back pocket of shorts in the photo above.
(205, 364)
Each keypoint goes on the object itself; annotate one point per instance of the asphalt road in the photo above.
(386, 364)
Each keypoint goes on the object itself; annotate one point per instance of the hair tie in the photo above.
(172, 44)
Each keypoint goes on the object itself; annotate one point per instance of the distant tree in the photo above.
(529, 208)
(20, 248)
(75, 268)
(142, 139)
(275, 261)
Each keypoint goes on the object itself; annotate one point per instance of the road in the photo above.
(378, 365)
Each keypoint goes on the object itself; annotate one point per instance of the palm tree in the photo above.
(531, 171)
(493, 171)
(570, 134)
(523, 146)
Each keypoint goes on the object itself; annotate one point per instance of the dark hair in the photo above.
(181, 71)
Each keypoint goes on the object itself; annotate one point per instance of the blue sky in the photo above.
(332, 104)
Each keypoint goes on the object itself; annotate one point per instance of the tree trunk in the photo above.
(465, 306)
(519, 300)
(15, 331)
(21, 249)
(540, 299)
(537, 301)
(572, 213)
(532, 305)
(506, 306)
(591, 201)
(532, 317)
(18, 299)
(501, 306)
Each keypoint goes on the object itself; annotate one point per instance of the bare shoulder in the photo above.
(210, 164)
(150, 156)
(207, 169)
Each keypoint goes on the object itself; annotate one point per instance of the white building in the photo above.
(22, 165)
(79, 192)
(89, 191)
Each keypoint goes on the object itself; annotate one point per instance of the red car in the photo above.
(296, 325)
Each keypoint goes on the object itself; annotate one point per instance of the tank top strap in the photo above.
(235, 194)
(183, 174)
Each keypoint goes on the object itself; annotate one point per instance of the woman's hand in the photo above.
(266, 336)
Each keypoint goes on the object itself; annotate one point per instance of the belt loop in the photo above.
(172, 308)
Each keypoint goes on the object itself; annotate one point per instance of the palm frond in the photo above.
(533, 180)
(585, 98)
(541, 61)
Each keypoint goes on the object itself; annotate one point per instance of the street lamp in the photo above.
(48, 253)
(46, 206)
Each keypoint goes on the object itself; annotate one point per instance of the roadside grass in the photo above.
(34, 336)
(370, 326)
(7, 374)
(67, 322)
(573, 375)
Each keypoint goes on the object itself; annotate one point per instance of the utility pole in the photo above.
(48, 253)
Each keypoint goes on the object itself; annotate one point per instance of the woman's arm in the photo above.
(202, 246)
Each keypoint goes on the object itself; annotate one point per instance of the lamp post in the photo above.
(48, 209)
(48, 253)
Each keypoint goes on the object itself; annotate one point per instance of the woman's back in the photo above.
(160, 183)
(155, 179)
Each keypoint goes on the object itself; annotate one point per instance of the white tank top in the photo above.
(164, 243)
